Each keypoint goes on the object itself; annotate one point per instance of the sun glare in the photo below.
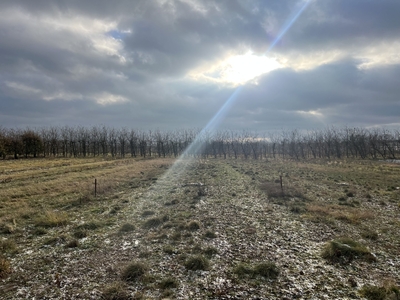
(242, 68)
(238, 69)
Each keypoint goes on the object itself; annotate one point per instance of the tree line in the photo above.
(330, 143)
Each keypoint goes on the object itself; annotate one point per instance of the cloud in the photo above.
(171, 63)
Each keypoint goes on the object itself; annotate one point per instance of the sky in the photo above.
(172, 64)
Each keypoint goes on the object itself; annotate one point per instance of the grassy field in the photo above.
(203, 229)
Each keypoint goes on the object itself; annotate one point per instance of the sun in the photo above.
(238, 69)
(242, 68)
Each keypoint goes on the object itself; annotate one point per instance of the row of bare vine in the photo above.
(327, 143)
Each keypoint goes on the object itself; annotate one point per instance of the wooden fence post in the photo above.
(95, 188)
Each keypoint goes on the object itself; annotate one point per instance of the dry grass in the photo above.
(7, 246)
(345, 250)
(198, 262)
(115, 291)
(27, 185)
(265, 269)
(234, 223)
(134, 271)
(5, 267)
(349, 215)
(388, 291)
(52, 219)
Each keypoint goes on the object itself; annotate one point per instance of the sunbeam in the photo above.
(181, 164)
(287, 26)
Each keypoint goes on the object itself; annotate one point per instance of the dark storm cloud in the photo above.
(126, 63)
(337, 94)
(342, 24)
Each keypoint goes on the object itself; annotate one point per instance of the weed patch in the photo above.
(349, 215)
(80, 234)
(176, 236)
(115, 291)
(52, 219)
(5, 267)
(372, 292)
(7, 228)
(369, 234)
(172, 202)
(127, 227)
(168, 249)
(53, 241)
(8, 246)
(272, 189)
(265, 269)
(210, 252)
(147, 213)
(72, 244)
(134, 271)
(198, 262)
(152, 223)
(210, 234)
(344, 250)
(168, 283)
(93, 225)
(297, 208)
(39, 231)
(193, 226)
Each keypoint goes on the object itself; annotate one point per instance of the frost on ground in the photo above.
(216, 229)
